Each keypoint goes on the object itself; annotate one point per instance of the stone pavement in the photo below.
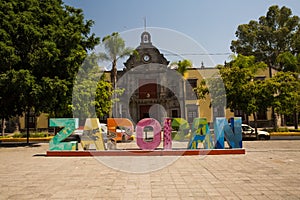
(268, 170)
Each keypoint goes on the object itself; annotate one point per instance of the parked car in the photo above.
(249, 133)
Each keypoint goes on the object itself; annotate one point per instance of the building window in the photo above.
(31, 120)
(190, 93)
(192, 113)
(240, 113)
(262, 115)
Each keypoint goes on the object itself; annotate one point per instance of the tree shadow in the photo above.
(40, 155)
(17, 144)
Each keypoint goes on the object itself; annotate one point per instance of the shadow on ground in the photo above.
(18, 144)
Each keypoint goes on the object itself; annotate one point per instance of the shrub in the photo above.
(32, 135)
(38, 135)
(284, 129)
(19, 135)
(294, 130)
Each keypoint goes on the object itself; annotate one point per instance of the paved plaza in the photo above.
(268, 170)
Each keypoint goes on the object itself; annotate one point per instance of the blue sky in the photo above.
(209, 23)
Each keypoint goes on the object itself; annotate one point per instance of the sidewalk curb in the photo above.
(46, 139)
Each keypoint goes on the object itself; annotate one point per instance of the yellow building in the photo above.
(40, 122)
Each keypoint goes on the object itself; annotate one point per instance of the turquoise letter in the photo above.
(69, 124)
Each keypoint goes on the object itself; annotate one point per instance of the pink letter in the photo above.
(167, 134)
(156, 134)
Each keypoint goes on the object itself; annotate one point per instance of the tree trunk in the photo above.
(27, 123)
(296, 119)
(247, 119)
(17, 124)
(275, 120)
(282, 120)
(183, 99)
(114, 85)
(255, 123)
(3, 127)
(114, 74)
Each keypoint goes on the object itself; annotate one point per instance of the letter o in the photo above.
(156, 134)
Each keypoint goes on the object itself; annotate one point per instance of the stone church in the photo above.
(151, 88)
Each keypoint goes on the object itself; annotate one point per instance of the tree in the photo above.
(243, 93)
(92, 94)
(267, 38)
(103, 99)
(115, 49)
(48, 39)
(182, 66)
(289, 62)
(21, 88)
(238, 77)
(285, 93)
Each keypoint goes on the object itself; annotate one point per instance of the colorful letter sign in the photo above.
(69, 124)
(200, 133)
(140, 140)
(182, 127)
(92, 138)
(167, 134)
(232, 132)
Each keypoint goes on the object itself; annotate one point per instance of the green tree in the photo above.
(267, 38)
(182, 68)
(84, 90)
(92, 94)
(238, 77)
(242, 91)
(103, 100)
(21, 88)
(289, 62)
(284, 87)
(115, 49)
(48, 39)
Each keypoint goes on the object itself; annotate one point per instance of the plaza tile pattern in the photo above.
(268, 170)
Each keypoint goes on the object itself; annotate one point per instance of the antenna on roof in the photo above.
(144, 23)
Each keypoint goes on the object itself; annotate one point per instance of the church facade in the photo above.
(149, 92)
(153, 89)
